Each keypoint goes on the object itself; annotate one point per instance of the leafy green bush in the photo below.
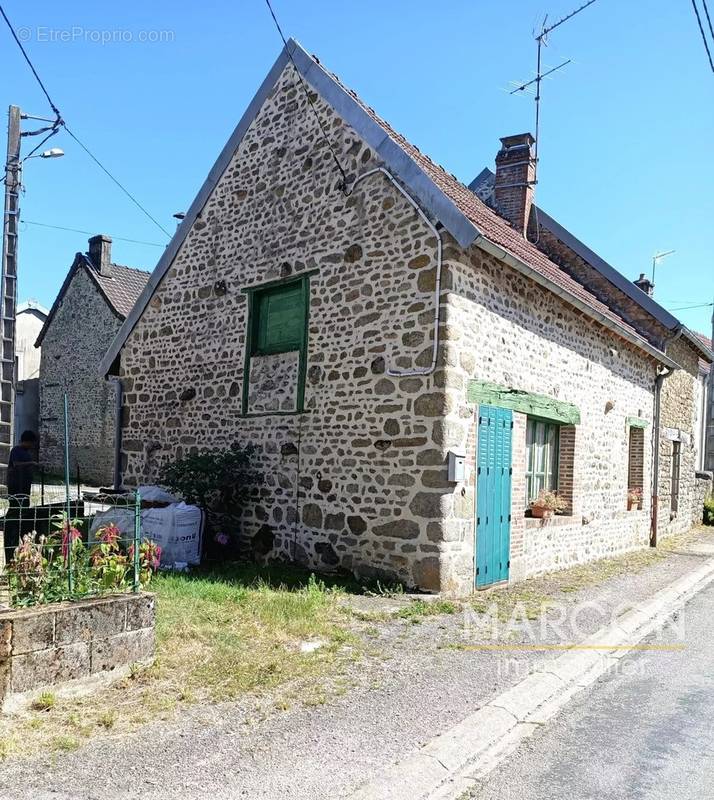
(709, 510)
(219, 481)
(213, 479)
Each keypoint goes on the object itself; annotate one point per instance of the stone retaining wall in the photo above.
(48, 646)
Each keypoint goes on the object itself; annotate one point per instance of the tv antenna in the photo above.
(542, 40)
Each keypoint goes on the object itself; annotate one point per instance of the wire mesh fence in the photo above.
(76, 547)
(62, 540)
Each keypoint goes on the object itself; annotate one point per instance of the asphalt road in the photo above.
(645, 735)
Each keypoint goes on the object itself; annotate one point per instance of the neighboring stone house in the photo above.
(94, 300)
(411, 367)
(705, 438)
(30, 317)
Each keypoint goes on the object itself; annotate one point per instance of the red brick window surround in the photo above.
(636, 460)
(550, 460)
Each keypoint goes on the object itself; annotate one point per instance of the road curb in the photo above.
(450, 763)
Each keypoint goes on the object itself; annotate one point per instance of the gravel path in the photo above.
(417, 682)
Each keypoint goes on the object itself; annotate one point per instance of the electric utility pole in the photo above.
(8, 288)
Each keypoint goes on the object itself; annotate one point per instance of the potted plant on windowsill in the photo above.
(634, 499)
(546, 504)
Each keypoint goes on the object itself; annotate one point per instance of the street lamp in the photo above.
(53, 152)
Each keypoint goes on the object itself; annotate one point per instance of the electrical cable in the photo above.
(704, 36)
(709, 19)
(52, 132)
(30, 64)
(688, 308)
(309, 99)
(89, 233)
(109, 174)
(60, 122)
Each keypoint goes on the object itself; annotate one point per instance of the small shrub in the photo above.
(107, 719)
(40, 570)
(709, 510)
(212, 479)
(44, 702)
(66, 744)
(219, 482)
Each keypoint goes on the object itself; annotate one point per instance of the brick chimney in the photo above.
(515, 175)
(100, 253)
(644, 283)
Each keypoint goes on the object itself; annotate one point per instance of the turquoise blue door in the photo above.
(493, 495)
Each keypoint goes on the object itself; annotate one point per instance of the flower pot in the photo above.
(541, 512)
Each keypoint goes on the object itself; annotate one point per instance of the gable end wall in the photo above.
(74, 344)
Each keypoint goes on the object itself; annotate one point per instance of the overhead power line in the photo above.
(121, 186)
(59, 122)
(89, 233)
(309, 98)
(704, 36)
(29, 63)
(709, 19)
(689, 308)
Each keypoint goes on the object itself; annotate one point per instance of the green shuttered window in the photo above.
(279, 319)
(278, 315)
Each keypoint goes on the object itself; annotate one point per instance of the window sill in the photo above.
(556, 521)
(257, 414)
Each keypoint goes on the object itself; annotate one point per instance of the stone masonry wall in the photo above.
(359, 480)
(502, 328)
(677, 423)
(47, 646)
(76, 341)
(348, 483)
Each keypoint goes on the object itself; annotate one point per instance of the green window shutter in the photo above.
(279, 319)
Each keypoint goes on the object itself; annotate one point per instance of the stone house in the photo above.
(94, 300)
(411, 366)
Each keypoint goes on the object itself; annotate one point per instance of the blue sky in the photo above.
(626, 156)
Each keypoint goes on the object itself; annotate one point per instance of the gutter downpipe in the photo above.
(659, 380)
(118, 400)
(437, 287)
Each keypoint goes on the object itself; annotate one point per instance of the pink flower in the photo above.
(109, 535)
(222, 538)
(69, 534)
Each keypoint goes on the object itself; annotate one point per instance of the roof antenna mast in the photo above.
(542, 40)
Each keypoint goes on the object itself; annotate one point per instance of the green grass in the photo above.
(426, 608)
(221, 633)
(44, 702)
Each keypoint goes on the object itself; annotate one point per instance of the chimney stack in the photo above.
(100, 253)
(644, 283)
(515, 177)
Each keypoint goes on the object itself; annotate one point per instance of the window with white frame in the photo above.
(542, 443)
